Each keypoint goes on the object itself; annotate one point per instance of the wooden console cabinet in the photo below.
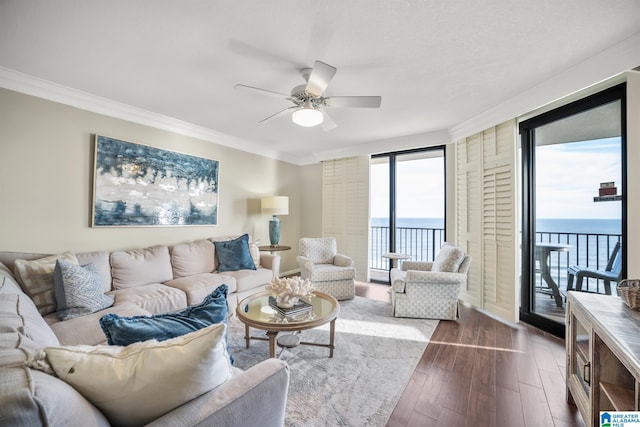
(603, 355)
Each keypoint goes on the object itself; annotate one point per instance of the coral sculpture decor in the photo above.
(289, 290)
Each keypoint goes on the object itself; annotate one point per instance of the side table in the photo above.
(273, 249)
(394, 258)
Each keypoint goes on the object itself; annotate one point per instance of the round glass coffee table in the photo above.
(255, 312)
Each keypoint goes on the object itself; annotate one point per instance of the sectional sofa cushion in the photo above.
(250, 279)
(234, 254)
(167, 373)
(78, 290)
(101, 260)
(22, 326)
(127, 330)
(33, 398)
(36, 279)
(154, 298)
(192, 258)
(139, 267)
(198, 286)
(7, 283)
(86, 329)
(27, 396)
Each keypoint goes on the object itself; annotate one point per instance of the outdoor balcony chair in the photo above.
(612, 273)
(430, 290)
(329, 271)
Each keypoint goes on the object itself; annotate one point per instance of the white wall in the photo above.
(46, 153)
(311, 200)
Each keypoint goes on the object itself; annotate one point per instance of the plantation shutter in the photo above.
(486, 218)
(345, 208)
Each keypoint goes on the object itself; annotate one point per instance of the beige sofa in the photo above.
(152, 280)
(143, 282)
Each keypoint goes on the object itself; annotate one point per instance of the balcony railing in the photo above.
(422, 244)
(587, 249)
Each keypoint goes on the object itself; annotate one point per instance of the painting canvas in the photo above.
(138, 185)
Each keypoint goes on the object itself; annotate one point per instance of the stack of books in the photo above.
(299, 308)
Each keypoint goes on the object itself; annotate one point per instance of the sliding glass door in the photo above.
(407, 206)
(574, 186)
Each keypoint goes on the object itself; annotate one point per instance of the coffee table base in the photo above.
(271, 337)
(288, 340)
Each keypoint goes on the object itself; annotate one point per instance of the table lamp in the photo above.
(275, 205)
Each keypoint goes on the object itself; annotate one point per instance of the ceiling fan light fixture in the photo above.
(307, 116)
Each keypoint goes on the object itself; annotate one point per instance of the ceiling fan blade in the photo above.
(280, 113)
(353, 101)
(319, 78)
(328, 123)
(261, 91)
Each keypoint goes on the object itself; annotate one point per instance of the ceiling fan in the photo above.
(310, 103)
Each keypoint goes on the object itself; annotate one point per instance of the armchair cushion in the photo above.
(449, 258)
(441, 277)
(327, 272)
(319, 250)
(417, 265)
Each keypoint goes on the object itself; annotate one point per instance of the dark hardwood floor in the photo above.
(479, 371)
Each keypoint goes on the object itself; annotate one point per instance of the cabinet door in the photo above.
(579, 368)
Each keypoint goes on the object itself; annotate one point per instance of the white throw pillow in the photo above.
(136, 384)
(36, 278)
(254, 249)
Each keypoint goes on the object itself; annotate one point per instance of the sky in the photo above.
(420, 189)
(567, 178)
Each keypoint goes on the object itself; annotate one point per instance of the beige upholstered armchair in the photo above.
(429, 290)
(329, 271)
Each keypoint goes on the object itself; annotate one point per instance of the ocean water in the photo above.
(582, 226)
(546, 225)
(592, 240)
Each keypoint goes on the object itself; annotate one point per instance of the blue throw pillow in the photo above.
(128, 330)
(234, 254)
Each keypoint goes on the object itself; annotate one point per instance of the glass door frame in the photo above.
(392, 158)
(528, 144)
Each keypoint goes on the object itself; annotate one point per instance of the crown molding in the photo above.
(407, 142)
(29, 85)
(613, 61)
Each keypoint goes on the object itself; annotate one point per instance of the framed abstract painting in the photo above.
(138, 185)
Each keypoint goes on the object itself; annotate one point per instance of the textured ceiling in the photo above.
(436, 64)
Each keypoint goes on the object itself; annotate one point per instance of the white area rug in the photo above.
(374, 358)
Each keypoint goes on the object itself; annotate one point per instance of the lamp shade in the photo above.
(307, 117)
(275, 205)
